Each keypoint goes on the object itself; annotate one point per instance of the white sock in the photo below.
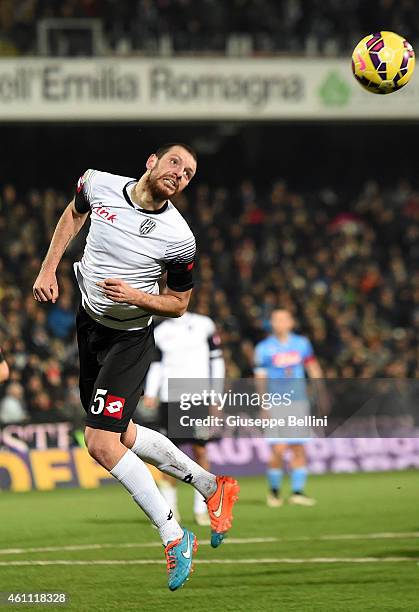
(169, 492)
(134, 475)
(199, 505)
(154, 448)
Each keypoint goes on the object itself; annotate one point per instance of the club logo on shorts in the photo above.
(114, 406)
(147, 226)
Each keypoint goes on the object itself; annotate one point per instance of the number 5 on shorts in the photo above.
(100, 399)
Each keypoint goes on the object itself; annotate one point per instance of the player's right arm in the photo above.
(45, 288)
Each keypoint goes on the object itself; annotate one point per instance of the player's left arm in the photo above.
(169, 304)
(313, 368)
(314, 371)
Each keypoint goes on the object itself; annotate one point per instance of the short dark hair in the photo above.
(166, 147)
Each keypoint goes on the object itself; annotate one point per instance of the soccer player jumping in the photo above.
(135, 236)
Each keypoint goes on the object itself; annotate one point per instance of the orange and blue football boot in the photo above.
(179, 559)
(220, 508)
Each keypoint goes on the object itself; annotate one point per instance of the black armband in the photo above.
(80, 202)
(214, 345)
(179, 276)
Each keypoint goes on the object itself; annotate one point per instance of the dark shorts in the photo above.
(169, 429)
(113, 367)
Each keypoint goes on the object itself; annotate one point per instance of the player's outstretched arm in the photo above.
(170, 304)
(45, 288)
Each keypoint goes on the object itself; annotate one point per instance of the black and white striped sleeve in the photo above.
(84, 191)
(179, 260)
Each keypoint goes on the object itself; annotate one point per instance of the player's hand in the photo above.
(45, 288)
(149, 402)
(118, 290)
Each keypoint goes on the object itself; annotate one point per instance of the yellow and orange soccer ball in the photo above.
(383, 62)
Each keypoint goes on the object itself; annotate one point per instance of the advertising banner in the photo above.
(59, 467)
(212, 89)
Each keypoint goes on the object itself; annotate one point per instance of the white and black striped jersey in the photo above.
(130, 243)
(188, 347)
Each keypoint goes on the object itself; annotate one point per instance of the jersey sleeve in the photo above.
(307, 352)
(84, 191)
(179, 260)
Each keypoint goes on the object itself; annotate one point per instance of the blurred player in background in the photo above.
(188, 347)
(286, 355)
(135, 236)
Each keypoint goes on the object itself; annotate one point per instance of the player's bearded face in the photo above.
(162, 185)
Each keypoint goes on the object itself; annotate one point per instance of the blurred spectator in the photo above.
(347, 269)
(209, 26)
(4, 368)
(43, 409)
(61, 317)
(12, 408)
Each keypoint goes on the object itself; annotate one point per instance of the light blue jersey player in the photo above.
(286, 355)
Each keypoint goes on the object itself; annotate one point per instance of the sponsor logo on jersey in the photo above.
(190, 265)
(104, 212)
(114, 406)
(284, 360)
(147, 226)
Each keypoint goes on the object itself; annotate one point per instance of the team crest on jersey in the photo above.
(147, 226)
(287, 359)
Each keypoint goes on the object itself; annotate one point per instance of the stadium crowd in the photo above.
(271, 26)
(347, 269)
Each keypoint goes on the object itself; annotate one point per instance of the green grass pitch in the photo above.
(300, 561)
